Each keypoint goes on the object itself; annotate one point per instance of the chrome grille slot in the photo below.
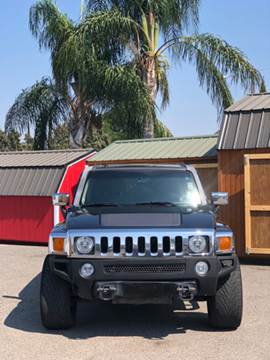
(141, 245)
(166, 245)
(104, 245)
(154, 245)
(116, 245)
(129, 245)
(178, 244)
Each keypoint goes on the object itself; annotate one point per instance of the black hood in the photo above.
(140, 217)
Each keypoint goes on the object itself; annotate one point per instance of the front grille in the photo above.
(144, 268)
(139, 243)
(139, 246)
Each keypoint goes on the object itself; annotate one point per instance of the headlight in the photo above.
(197, 244)
(84, 244)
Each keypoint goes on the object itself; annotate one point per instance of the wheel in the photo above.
(57, 305)
(226, 307)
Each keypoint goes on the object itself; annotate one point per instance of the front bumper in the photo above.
(135, 283)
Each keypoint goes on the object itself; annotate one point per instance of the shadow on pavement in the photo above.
(93, 320)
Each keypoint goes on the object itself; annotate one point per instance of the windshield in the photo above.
(140, 187)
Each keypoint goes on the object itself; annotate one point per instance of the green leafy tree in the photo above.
(41, 107)
(161, 27)
(10, 141)
(88, 68)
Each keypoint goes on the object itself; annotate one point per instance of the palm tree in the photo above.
(41, 107)
(88, 69)
(161, 27)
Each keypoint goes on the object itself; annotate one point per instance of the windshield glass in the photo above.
(116, 187)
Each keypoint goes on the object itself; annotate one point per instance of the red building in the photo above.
(27, 182)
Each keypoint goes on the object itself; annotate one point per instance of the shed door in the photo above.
(257, 203)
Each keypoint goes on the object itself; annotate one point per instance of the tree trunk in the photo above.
(83, 123)
(76, 136)
(150, 73)
(151, 83)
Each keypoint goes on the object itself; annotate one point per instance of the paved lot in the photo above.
(123, 332)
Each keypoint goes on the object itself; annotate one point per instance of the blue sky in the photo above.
(243, 23)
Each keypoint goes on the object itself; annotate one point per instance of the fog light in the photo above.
(87, 270)
(201, 268)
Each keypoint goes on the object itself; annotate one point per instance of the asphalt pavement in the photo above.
(124, 332)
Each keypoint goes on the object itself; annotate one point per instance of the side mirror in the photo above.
(219, 198)
(60, 199)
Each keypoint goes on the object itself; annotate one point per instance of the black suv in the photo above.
(141, 234)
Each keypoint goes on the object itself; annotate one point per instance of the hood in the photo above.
(153, 217)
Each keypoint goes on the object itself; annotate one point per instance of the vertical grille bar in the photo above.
(123, 249)
(172, 246)
(147, 246)
(185, 245)
(97, 246)
(110, 245)
(160, 245)
(135, 246)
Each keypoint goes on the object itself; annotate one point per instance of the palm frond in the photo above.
(48, 24)
(174, 16)
(214, 81)
(230, 61)
(40, 107)
(215, 60)
(162, 67)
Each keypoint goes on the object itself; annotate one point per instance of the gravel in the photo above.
(124, 332)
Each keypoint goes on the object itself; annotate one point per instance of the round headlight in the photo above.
(197, 244)
(84, 244)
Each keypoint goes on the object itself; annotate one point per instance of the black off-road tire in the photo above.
(226, 307)
(57, 305)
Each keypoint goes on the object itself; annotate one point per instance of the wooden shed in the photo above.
(200, 151)
(244, 172)
(27, 182)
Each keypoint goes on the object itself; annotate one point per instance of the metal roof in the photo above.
(162, 148)
(30, 182)
(251, 102)
(49, 158)
(246, 124)
(35, 173)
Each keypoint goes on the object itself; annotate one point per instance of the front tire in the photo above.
(226, 307)
(57, 305)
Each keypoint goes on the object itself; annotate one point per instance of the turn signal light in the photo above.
(58, 244)
(225, 243)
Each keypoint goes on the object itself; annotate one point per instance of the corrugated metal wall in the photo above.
(31, 218)
(25, 218)
(231, 180)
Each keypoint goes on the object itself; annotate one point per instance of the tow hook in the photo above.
(187, 291)
(106, 292)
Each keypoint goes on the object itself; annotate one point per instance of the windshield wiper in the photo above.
(156, 203)
(100, 205)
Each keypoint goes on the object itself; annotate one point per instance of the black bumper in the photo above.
(135, 282)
